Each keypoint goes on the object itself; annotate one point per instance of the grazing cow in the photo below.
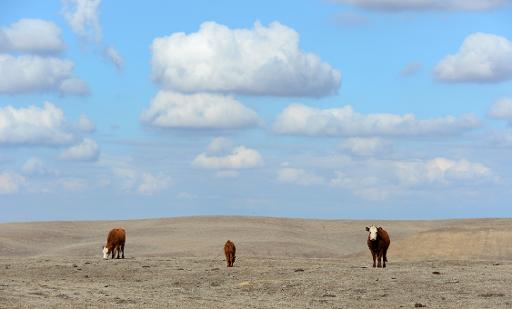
(230, 252)
(115, 243)
(378, 243)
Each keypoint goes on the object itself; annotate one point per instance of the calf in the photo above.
(230, 251)
(115, 243)
(378, 243)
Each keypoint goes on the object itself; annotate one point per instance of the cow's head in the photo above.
(106, 251)
(373, 232)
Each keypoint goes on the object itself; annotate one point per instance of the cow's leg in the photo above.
(122, 250)
(113, 251)
(385, 258)
(118, 247)
(379, 258)
(374, 256)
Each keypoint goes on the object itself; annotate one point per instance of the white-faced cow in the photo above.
(378, 243)
(115, 243)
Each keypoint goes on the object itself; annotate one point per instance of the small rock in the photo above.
(146, 266)
(419, 305)
(328, 295)
(74, 265)
(298, 270)
(436, 273)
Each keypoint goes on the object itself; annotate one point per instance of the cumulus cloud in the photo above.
(298, 176)
(32, 36)
(420, 5)
(30, 73)
(361, 146)
(502, 109)
(482, 58)
(10, 183)
(87, 150)
(240, 157)
(219, 144)
(441, 171)
(82, 16)
(35, 166)
(141, 182)
(198, 111)
(84, 124)
(151, 184)
(344, 121)
(258, 61)
(34, 126)
(113, 55)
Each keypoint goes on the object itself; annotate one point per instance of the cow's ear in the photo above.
(379, 228)
(367, 229)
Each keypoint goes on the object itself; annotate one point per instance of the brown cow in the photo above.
(230, 252)
(378, 243)
(115, 243)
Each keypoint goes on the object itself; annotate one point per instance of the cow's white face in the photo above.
(105, 252)
(373, 232)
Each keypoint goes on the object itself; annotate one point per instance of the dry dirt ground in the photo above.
(281, 263)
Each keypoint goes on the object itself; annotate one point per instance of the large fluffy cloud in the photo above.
(258, 61)
(197, 111)
(403, 5)
(87, 150)
(344, 121)
(361, 146)
(482, 58)
(30, 73)
(34, 125)
(31, 35)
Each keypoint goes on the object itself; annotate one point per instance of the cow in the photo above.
(230, 252)
(378, 243)
(115, 243)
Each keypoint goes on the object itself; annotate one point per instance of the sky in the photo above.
(356, 109)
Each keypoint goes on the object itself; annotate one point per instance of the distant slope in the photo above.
(260, 236)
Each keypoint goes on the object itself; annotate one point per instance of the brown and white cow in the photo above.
(378, 243)
(115, 243)
(230, 252)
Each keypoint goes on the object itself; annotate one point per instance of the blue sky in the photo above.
(387, 109)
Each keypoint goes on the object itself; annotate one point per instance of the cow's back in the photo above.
(116, 236)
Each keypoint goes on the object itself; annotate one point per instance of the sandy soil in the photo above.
(281, 263)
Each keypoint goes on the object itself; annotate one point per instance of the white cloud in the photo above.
(441, 171)
(240, 157)
(10, 183)
(258, 61)
(130, 178)
(87, 150)
(365, 146)
(227, 174)
(406, 5)
(298, 176)
(113, 55)
(198, 111)
(82, 16)
(344, 121)
(151, 184)
(34, 126)
(32, 36)
(34, 166)
(85, 124)
(219, 144)
(482, 58)
(29, 73)
(502, 109)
